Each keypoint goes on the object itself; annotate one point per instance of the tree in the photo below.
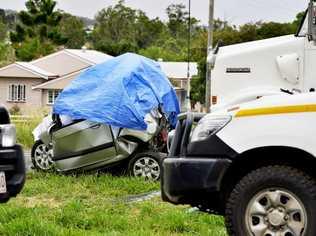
(273, 29)
(2, 15)
(33, 48)
(3, 31)
(40, 20)
(299, 18)
(37, 33)
(10, 19)
(155, 53)
(177, 19)
(147, 30)
(114, 30)
(198, 83)
(178, 24)
(248, 32)
(120, 29)
(7, 54)
(72, 29)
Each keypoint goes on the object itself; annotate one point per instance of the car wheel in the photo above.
(273, 201)
(42, 156)
(146, 165)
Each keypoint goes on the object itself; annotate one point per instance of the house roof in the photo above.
(55, 66)
(175, 70)
(178, 70)
(35, 69)
(91, 57)
(59, 83)
(67, 61)
(30, 71)
(58, 64)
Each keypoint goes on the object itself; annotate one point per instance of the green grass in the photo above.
(24, 131)
(52, 204)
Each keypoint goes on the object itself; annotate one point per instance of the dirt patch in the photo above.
(142, 197)
(31, 202)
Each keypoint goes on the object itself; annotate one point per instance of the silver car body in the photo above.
(88, 145)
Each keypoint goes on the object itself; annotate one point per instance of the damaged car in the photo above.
(116, 112)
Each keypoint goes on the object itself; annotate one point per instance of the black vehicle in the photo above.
(12, 167)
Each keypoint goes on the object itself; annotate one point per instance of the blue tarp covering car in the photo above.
(119, 92)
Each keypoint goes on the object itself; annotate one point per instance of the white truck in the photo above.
(254, 163)
(283, 62)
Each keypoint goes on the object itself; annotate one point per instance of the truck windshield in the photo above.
(303, 29)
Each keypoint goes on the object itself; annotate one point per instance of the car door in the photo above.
(82, 144)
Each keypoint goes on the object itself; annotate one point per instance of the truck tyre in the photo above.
(273, 200)
(146, 165)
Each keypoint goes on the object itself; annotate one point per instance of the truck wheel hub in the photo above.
(276, 218)
(276, 212)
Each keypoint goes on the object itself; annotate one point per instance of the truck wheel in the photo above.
(41, 156)
(146, 165)
(273, 201)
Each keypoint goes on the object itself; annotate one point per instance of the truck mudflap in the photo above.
(187, 179)
(13, 166)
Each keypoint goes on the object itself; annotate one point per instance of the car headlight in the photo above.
(7, 135)
(209, 126)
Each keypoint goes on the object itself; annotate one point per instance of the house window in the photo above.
(17, 93)
(52, 96)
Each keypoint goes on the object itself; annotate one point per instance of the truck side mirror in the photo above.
(312, 21)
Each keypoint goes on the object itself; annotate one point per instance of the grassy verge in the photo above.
(25, 128)
(24, 133)
(96, 205)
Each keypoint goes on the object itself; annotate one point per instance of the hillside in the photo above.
(10, 17)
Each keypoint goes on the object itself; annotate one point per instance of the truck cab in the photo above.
(283, 62)
(253, 163)
(12, 167)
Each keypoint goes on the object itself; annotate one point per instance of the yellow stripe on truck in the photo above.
(276, 110)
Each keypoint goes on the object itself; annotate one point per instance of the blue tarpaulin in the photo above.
(119, 92)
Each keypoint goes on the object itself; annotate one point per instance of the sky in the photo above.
(234, 11)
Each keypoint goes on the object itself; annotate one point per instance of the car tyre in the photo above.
(41, 157)
(273, 200)
(146, 165)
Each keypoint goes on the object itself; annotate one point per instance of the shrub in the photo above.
(15, 110)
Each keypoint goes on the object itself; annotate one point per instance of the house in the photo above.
(177, 72)
(37, 84)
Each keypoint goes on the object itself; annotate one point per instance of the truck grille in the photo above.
(182, 134)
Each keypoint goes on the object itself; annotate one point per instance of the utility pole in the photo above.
(189, 60)
(209, 50)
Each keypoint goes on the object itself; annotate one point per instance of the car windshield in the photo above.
(303, 29)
